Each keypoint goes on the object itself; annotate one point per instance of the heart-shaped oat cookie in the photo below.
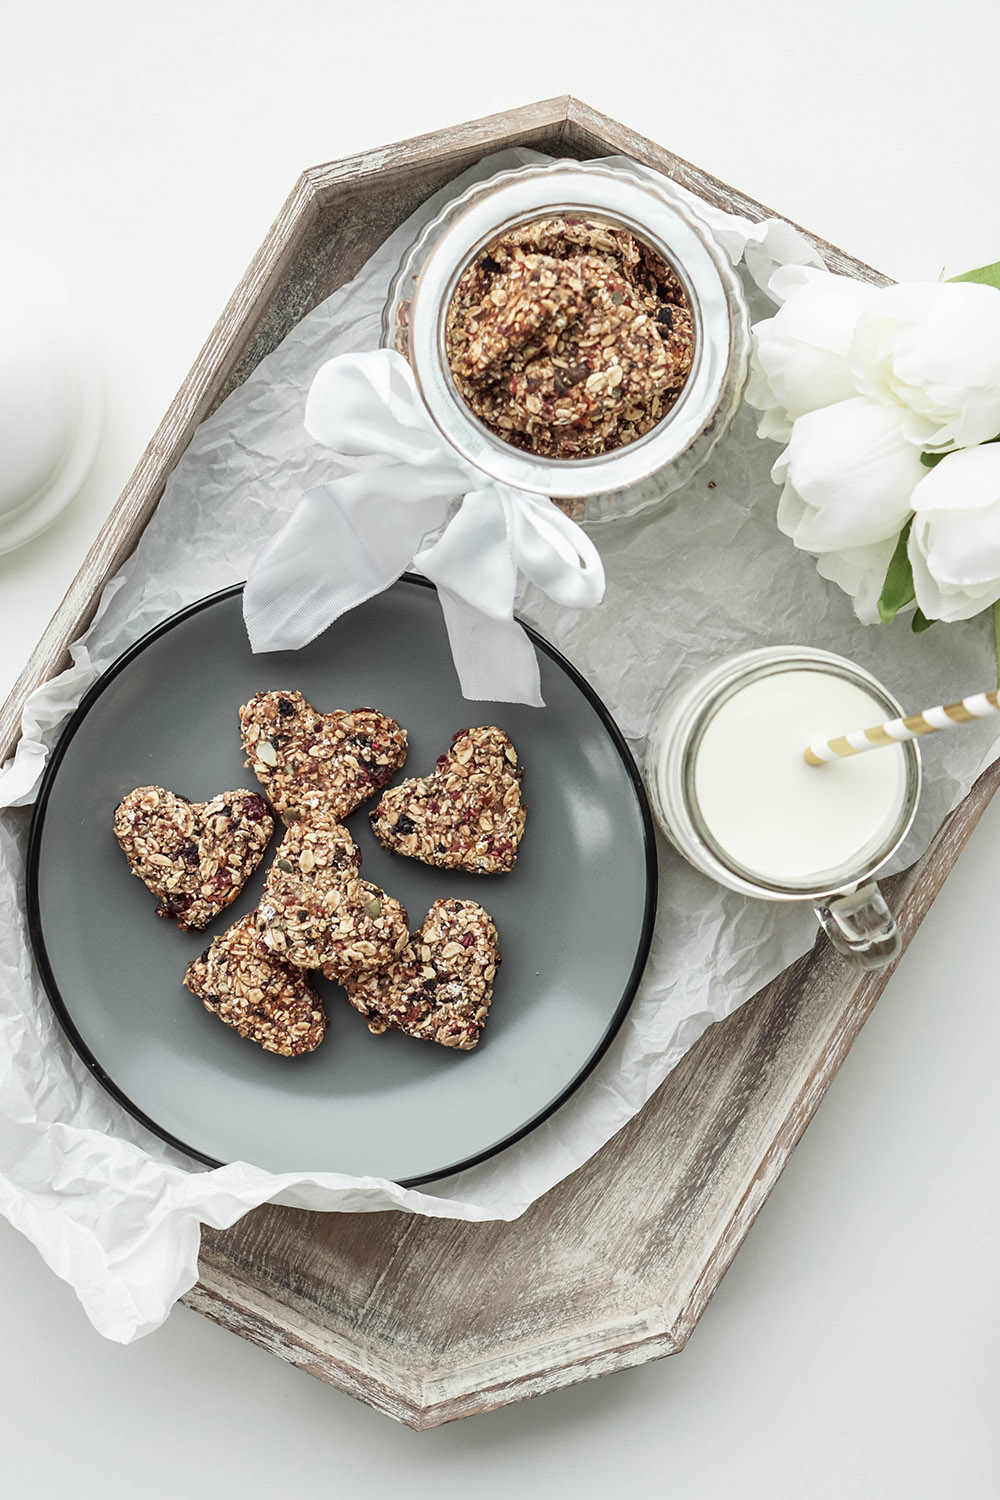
(317, 912)
(467, 816)
(195, 857)
(307, 760)
(266, 1001)
(440, 986)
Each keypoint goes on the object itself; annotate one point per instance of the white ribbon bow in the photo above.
(350, 539)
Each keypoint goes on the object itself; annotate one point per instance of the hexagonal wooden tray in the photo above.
(430, 1319)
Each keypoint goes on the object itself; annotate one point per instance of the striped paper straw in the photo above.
(979, 706)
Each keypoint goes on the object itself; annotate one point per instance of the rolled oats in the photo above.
(307, 760)
(195, 857)
(440, 986)
(467, 815)
(568, 337)
(325, 916)
(265, 1000)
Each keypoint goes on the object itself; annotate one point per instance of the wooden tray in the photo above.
(425, 1319)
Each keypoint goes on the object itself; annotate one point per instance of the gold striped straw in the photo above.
(979, 706)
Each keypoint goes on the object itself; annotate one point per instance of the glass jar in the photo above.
(637, 475)
(847, 902)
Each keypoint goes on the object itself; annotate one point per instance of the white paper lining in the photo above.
(113, 1210)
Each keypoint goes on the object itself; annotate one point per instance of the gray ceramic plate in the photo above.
(574, 917)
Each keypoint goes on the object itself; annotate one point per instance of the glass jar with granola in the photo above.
(575, 331)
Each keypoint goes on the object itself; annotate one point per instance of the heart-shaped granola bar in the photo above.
(467, 816)
(439, 988)
(316, 911)
(306, 760)
(266, 1001)
(195, 857)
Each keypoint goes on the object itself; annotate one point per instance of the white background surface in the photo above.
(852, 1349)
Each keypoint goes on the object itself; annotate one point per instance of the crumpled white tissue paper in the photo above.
(116, 1212)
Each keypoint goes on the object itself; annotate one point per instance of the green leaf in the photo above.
(920, 622)
(897, 591)
(987, 275)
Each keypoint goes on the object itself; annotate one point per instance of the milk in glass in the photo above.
(770, 813)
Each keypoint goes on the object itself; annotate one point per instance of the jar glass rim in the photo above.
(619, 195)
(752, 667)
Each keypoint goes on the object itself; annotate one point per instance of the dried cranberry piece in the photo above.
(176, 906)
(285, 707)
(254, 808)
(188, 853)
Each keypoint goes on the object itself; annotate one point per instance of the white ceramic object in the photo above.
(51, 404)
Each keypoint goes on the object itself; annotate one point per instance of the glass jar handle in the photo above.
(861, 926)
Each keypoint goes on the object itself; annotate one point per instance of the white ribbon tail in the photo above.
(473, 567)
(553, 551)
(473, 556)
(494, 659)
(343, 543)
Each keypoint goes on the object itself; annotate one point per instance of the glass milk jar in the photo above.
(730, 786)
(638, 471)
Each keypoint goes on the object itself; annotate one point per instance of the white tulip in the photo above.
(933, 350)
(848, 475)
(860, 572)
(800, 358)
(954, 545)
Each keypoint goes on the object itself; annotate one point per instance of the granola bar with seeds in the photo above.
(316, 911)
(306, 760)
(195, 857)
(440, 986)
(265, 1000)
(468, 815)
(569, 337)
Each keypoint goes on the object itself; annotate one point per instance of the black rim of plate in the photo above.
(62, 1010)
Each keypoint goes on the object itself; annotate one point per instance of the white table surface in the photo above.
(852, 1349)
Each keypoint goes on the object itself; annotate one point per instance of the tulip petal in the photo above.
(958, 523)
(860, 572)
(941, 601)
(800, 354)
(855, 471)
(968, 480)
(933, 348)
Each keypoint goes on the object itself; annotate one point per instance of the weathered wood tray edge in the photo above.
(771, 1064)
(687, 1177)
